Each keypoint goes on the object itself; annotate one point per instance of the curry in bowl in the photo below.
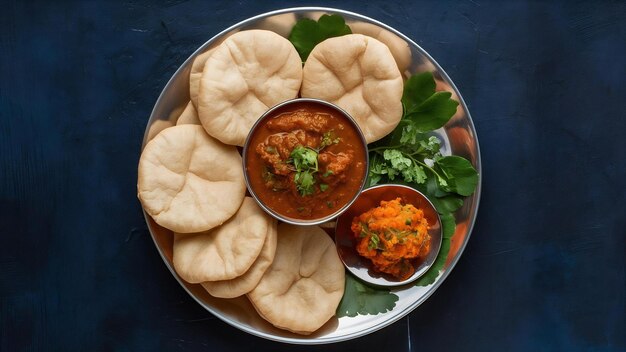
(305, 161)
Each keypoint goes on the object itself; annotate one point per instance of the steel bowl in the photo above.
(458, 137)
(270, 113)
(371, 198)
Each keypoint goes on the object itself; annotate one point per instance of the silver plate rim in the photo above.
(472, 215)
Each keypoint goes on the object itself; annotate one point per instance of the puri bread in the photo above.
(225, 252)
(188, 181)
(281, 24)
(245, 283)
(359, 74)
(189, 116)
(248, 73)
(398, 47)
(302, 288)
(157, 126)
(196, 73)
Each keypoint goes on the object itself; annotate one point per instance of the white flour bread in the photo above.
(196, 74)
(189, 116)
(225, 252)
(398, 47)
(302, 288)
(359, 74)
(189, 182)
(245, 283)
(247, 74)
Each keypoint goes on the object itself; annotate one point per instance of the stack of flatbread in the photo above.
(190, 176)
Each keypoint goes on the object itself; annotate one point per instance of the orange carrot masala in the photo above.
(392, 236)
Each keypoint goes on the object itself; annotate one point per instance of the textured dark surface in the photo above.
(544, 269)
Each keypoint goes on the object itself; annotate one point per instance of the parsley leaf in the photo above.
(307, 33)
(359, 299)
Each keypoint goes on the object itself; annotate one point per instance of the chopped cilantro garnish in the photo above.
(327, 139)
(304, 181)
(305, 162)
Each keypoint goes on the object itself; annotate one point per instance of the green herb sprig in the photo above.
(304, 161)
(411, 155)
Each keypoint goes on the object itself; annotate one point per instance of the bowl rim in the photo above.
(472, 215)
(278, 216)
(384, 282)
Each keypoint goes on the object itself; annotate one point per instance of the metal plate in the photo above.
(458, 137)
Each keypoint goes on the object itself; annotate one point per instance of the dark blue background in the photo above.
(544, 269)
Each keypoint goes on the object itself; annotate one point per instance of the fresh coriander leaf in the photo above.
(323, 187)
(417, 89)
(304, 182)
(305, 161)
(462, 177)
(304, 158)
(414, 174)
(433, 113)
(392, 173)
(328, 139)
(397, 159)
(411, 136)
(373, 179)
(307, 33)
(359, 299)
(432, 145)
(375, 172)
(405, 165)
(328, 173)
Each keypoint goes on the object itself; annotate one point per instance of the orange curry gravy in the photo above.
(323, 132)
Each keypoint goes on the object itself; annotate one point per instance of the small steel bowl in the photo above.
(279, 108)
(370, 198)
